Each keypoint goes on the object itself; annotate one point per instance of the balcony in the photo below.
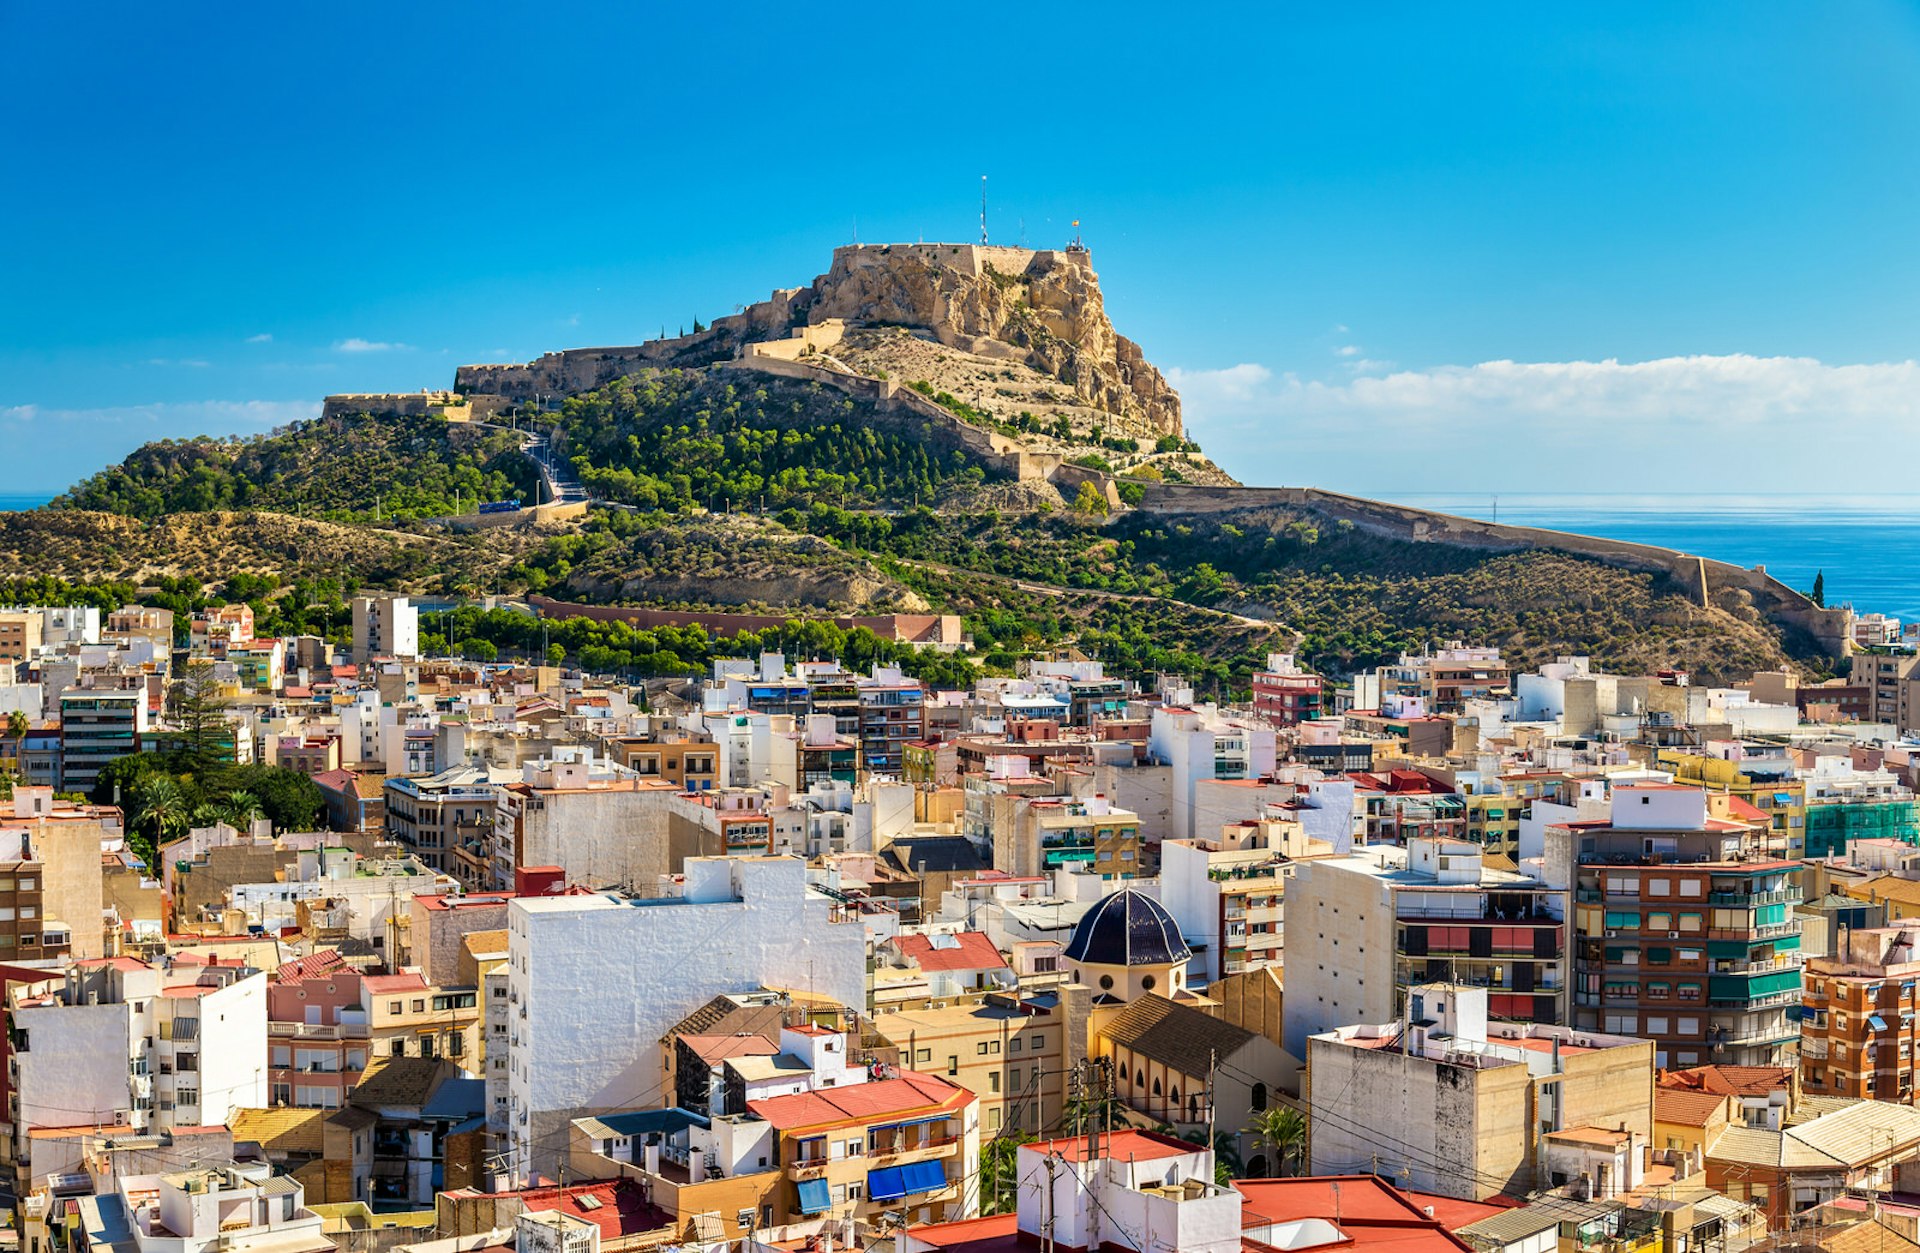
(922, 1151)
(808, 1168)
(1779, 896)
(318, 1031)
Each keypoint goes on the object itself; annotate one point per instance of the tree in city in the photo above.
(1819, 594)
(999, 1180)
(197, 707)
(160, 812)
(1283, 1129)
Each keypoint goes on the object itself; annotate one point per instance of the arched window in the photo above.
(1193, 1109)
(1259, 1096)
(1156, 1087)
(1257, 1168)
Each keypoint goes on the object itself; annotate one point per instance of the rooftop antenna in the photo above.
(983, 209)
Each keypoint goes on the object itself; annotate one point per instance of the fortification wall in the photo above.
(969, 259)
(538, 515)
(1702, 577)
(448, 405)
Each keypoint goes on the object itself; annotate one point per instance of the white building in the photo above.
(594, 981)
(384, 626)
(121, 1043)
(359, 896)
(231, 1209)
(1200, 742)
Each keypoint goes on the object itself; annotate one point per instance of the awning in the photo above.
(815, 1196)
(1876, 1022)
(886, 1184)
(1783, 798)
(923, 1176)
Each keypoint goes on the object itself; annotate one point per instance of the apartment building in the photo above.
(892, 714)
(98, 726)
(1890, 677)
(910, 1143)
(688, 764)
(1227, 893)
(1284, 694)
(1201, 742)
(22, 632)
(121, 1043)
(384, 626)
(434, 816)
(1857, 1017)
(1008, 1051)
(1039, 835)
(1685, 927)
(1845, 805)
(52, 883)
(1444, 1100)
(598, 822)
(1762, 775)
(1447, 678)
(735, 925)
(1366, 927)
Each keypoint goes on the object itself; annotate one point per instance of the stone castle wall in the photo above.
(1702, 577)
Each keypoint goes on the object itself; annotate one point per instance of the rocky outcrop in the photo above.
(1043, 309)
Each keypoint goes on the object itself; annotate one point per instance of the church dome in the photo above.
(1128, 928)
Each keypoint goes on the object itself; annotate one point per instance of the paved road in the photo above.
(562, 487)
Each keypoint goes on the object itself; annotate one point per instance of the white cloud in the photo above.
(356, 344)
(211, 417)
(1715, 422)
(1348, 350)
(262, 338)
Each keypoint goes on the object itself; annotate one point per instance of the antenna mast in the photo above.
(983, 209)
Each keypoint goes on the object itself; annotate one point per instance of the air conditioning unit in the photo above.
(1612, 934)
(1673, 935)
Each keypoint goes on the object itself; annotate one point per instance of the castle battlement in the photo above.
(969, 259)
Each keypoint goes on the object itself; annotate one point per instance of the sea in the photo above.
(1868, 547)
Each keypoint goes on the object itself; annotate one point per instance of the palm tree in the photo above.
(1283, 1129)
(239, 808)
(160, 807)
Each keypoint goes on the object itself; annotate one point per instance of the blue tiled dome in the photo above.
(1128, 928)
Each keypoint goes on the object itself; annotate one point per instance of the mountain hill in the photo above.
(947, 426)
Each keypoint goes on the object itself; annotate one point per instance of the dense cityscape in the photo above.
(612, 641)
(358, 944)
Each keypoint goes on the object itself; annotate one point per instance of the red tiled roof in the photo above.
(326, 961)
(1368, 1210)
(623, 1209)
(971, 1235)
(1729, 1080)
(1685, 1108)
(1137, 1146)
(379, 984)
(1453, 1213)
(974, 951)
(717, 1048)
(861, 1102)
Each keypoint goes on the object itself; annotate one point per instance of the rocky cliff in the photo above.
(1041, 309)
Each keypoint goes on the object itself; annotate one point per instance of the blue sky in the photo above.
(1381, 248)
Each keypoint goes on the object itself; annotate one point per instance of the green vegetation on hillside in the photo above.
(676, 439)
(343, 469)
(621, 648)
